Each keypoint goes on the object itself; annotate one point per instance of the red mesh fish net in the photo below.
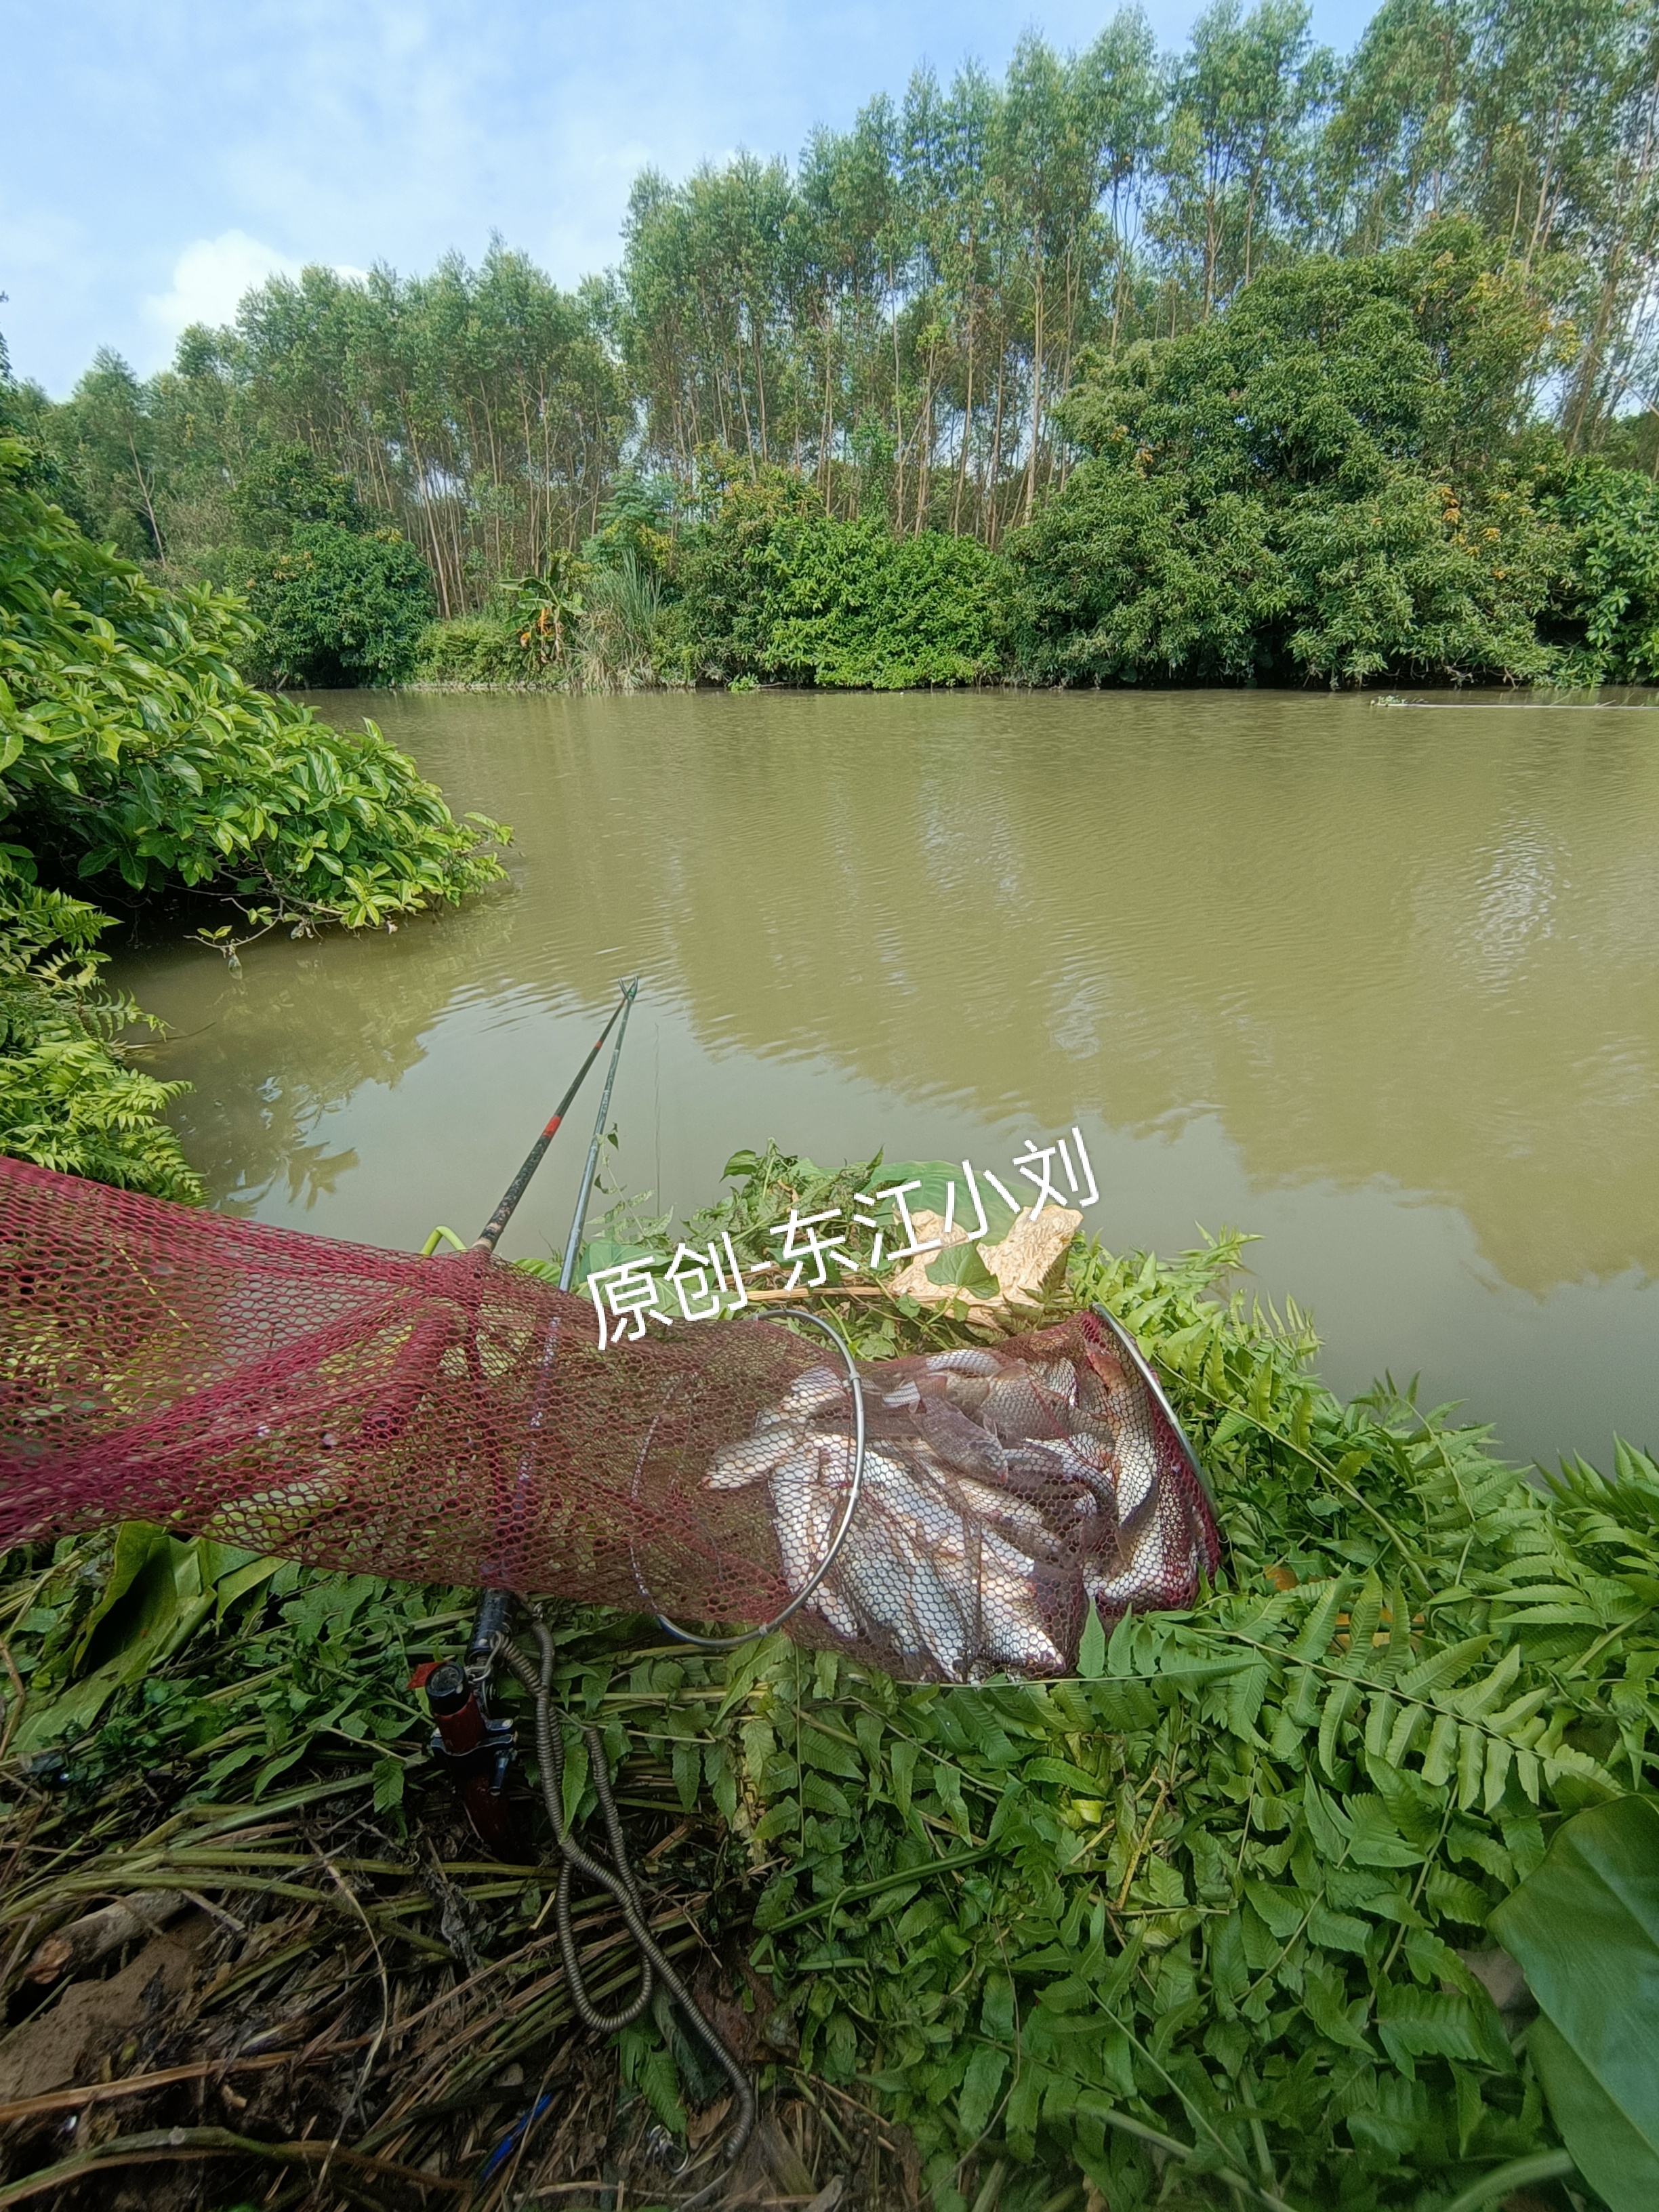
(454, 1420)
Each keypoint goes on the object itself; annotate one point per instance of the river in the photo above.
(1380, 985)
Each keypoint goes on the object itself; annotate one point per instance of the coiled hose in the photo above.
(616, 1877)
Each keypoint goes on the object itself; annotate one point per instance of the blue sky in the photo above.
(159, 158)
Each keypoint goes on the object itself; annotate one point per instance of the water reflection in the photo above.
(1379, 983)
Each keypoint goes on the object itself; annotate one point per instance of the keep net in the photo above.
(454, 1420)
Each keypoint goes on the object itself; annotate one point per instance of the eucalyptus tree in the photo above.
(106, 436)
(480, 410)
(1128, 95)
(1563, 104)
(1392, 155)
(1245, 102)
(849, 220)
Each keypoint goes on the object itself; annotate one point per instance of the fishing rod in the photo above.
(573, 1243)
(474, 1746)
(490, 1235)
(458, 1696)
(491, 1622)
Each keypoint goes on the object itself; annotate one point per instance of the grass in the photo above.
(1195, 1929)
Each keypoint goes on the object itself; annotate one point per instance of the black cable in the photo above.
(616, 1877)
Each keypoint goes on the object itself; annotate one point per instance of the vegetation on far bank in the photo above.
(1333, 482)
(1246, 362)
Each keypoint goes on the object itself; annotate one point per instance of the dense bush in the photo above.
(1607, 602)
(337, 607)
(1303, 487)
(770, 588)
(472, 651)
(131, 749)
(283, 487)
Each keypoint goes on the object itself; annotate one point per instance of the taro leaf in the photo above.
(1585, 1929)
(936, 1177)
(960, 1267)
(1607, 2148)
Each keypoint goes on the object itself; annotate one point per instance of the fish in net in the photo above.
(945, 1516)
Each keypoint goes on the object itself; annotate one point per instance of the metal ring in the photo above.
(730, 1642)
(1144, 1368)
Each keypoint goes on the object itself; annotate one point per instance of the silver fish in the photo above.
(1014, 1409)
(1143, 1571)
(967, 1392)
(1012, 1518)
(897, 1559)
(939, 1610)
(1136, 1475)
(812, 1392)
(736, 1465)
(806, 1514)
(967, 1361)
(960, 1443)
(1058, 1376)
(1013, 1629)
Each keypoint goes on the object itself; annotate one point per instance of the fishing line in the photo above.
(573, 1245)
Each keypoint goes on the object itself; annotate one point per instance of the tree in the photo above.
(106, 436)
(337, 608)
(1286, 490)
(286, 486)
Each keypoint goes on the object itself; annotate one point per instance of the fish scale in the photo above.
(1002, 1489)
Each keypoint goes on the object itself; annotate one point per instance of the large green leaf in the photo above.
(960, 1267)
(1608, 2147)
(1585, 1929)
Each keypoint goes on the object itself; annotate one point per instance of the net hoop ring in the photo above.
(810, 1586)
(1144, 1368)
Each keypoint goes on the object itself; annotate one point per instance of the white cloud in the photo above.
(208, 279)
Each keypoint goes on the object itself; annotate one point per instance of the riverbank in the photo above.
(1224, 1886)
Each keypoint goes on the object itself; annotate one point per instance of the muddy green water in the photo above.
(1380, 986)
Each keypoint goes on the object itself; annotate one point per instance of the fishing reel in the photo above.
(477, 1745)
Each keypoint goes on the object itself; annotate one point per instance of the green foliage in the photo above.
(284, 486)
(585, 624)
(1194, 1923)
(634, 522)
(143, 1648)
(128, 744)
(771, 587)
(851, 604)
(338, 608)
(895, 315)
(1608, 603)
(1585, 1929)
(616, 632)
(107, 446)
(328, 396)
(1287, 491)
(69, 1099)
(471, 652)
(129, 747)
